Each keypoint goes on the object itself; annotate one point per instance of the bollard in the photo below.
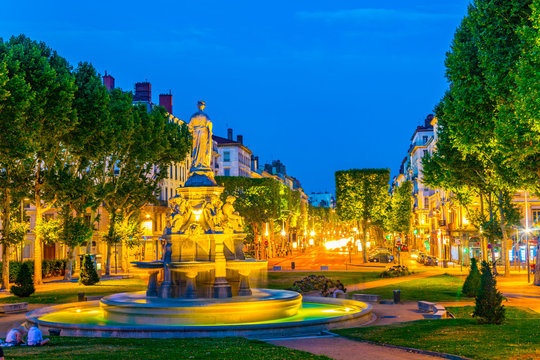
(397, 296)
(292, 265)
(81, 297)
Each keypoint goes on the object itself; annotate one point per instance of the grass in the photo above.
(284, 280)
(517, 338)
(68, 292)
(113, 348)
(434, 288)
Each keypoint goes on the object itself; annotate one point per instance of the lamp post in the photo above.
(527, 230)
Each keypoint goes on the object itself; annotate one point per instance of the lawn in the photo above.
(517, 338)
(68, 292)
(113, 348)
(434, 288)
(284, 280)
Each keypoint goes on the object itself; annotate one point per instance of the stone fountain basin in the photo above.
(317, 314)
(262, 305)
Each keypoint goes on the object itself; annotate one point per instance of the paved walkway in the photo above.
(344, 349)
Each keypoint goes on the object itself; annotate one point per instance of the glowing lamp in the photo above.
(312, 233)
(294, 245)
(310, 241)
(197, 214)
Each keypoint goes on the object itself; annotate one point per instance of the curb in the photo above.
(412, 350)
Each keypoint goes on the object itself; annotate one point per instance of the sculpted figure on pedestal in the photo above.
(232, 220)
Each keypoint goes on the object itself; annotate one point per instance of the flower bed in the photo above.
(395, 271)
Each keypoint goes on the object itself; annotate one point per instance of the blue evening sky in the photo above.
(320, 85)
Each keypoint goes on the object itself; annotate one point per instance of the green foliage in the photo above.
(75, 231)
(472, 282)
(49, 268)
(488, 308)
(312, 282)
(88, 274)
(401, 209)
(24, 285)
(49, 230)
(395, 271)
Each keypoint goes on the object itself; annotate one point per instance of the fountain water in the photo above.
(201, 286)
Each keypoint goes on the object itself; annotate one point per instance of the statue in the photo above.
(180, 214)
(232, 219)
(213, 214)
(201, 130)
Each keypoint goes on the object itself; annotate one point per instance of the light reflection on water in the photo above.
(94, 315)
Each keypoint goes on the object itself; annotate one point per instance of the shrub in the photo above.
(472, 283)
(24, 285)
(489, 308)
(311, 282)
(88, 274)
(395, 271)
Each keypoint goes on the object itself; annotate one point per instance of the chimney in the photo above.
(428, 120)
(165, 100)
(254, 162)
(240, 139)
(108, 81)
(143, 92)
(229, 134)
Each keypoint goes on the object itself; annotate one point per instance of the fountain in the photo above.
(202, 284)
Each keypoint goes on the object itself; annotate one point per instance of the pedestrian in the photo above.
(15, 336)
(35, 337)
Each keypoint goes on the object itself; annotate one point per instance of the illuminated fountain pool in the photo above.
(267, 313)
(202, 285)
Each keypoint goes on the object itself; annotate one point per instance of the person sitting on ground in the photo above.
(35, 337)
(15, 336)
(326, 288)
(340, 289)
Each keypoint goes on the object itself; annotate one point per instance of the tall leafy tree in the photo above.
(401, 209)
(141, 145)
(16, 98)
(362, 195)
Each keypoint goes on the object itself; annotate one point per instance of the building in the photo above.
(235, 159)
(322, 199)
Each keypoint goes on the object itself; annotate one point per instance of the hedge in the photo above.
(49, 268)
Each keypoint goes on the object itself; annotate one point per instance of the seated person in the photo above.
(35, 337)
(15, 336)
(340, 288)
(326, 288)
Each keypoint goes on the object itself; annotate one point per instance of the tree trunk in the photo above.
(272, 242)
(38, 242)
(110, 236)
(504, 241)
(364, 249)
(483, 245)
(108, 263)
(92, 218)
(6, 223)
(537, 268)
(72, 255)
(255, 240)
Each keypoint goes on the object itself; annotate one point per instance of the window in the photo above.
(425, 153)
(226, 156)
(175, 172)
(227, 172)
(425, 139)
(426, 202)
(535, 215)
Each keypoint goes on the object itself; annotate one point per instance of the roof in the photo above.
(226, 142)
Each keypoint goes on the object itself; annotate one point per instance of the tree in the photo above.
(362, 195)
(488, 308)
(49, 119)
(24, 285)
(401, 209)
(472, 282)
(15, 101)
(88, 275)
(141, 146)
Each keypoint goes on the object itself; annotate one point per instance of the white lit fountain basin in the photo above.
(315, 315)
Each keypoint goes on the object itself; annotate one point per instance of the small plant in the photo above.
(472, 283)
(395, 271)
(489, 308)
(311, 282)
(24, 285)
(88, 274)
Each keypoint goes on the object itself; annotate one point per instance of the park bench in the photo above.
(13, 308)
(425, 306)
(324, 268)
(341, 295)
(93, 298)
(275, 268)
(367, 297)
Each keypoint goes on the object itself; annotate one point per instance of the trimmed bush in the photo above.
(311, 282)
(49, 268)
(489, 308)
(472, 283)
(395, 271)
(24, 285)
(88, 274)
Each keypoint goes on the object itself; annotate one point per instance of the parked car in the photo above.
(421, 258)
(381, 255)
